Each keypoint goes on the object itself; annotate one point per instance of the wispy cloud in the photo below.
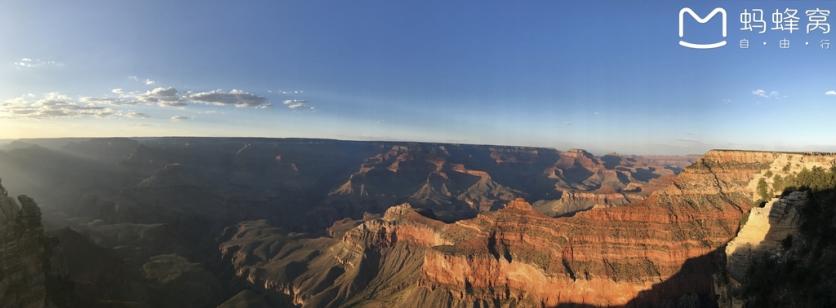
(286, 92)
(164, 97)
(31, 63)
(57, 105)
(179, 118)
(298, 104)
(136, 115)
(767, 94)
(171, 97)
(234, 97)
(146, 81)
(830, 93)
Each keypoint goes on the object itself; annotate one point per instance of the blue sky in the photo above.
(601, 75)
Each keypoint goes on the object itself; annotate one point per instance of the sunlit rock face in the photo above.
(22, 253)
(763, 235)
(769, 231)
(661, 250)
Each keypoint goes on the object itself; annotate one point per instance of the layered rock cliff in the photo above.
(785, 253)
(661, 250)
(766, 233)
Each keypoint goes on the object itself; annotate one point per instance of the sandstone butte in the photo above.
(660, 250)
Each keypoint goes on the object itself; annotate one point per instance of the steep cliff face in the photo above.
(764, 234)
(784, 254)
(660, 250)
(22, 253)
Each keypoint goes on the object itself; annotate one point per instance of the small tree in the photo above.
(763, 189)
(778, 184)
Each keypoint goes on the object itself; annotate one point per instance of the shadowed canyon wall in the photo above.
(22, 253)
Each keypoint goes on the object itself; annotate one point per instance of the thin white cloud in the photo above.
(136, 115)
(286, 92)
(179, 118)
(145, 81)
(297, 104)
(57, 105)
(164, 97)
(830, 93)
(112, 101)
(234, 97)
(767, 94)
(30, 63)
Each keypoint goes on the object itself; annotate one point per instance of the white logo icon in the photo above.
(701, 20)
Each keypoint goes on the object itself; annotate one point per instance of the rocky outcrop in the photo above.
(784, 252)
(764, 231)
(656, 251)
(764, 234)
(572, 202)
(22, 253)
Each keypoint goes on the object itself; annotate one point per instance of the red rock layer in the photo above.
(630, 254)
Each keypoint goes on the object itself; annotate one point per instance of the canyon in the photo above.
(326, 223)
(663, 250)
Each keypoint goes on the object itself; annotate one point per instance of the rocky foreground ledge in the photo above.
(22, 253)
(664, 250)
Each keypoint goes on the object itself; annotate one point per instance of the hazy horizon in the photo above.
(597, 152)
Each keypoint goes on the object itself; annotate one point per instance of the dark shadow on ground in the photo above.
(692, 286)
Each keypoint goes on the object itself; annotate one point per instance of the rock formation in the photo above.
(415, 224)
(784, 253)
(660, 250)
(763, 234)
(456, 181)
(22, 253)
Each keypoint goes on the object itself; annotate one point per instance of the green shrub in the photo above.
(763, 189)
(778, 183)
